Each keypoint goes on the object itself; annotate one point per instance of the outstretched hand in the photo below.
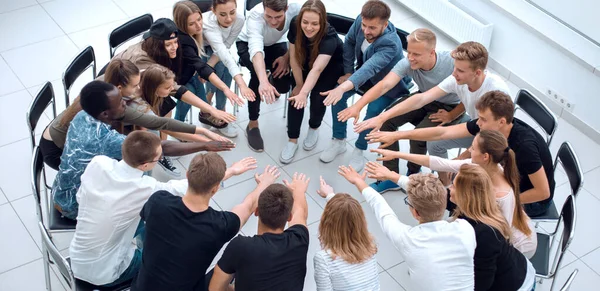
(351, 175)
(243, 165)
(268, 177)
(324, 188)
(299, 182)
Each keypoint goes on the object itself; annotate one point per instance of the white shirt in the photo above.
(110, 199)
(364, 46)
(439, 254)
(468, 98)
(338, 275)
(257, 32)
(221, 39)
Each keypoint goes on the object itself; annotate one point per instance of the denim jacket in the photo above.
(378, 60)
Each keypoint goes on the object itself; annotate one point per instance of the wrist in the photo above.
(393, 176)
(329, 196)
(361, 185)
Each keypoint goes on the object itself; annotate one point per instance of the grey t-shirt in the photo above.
(428, 79)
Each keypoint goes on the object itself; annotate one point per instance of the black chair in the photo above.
(537, 110)
(83, 61)
(39, 104)
(51, 254)
(55, 223)
(127, 31)
(204, 5)
(541, 259)
(569, 281)
(249, 4)
(568, 159)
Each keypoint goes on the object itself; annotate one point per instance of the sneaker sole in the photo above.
(343, 151)
(309, 148)
(391, 189)
(169, 172)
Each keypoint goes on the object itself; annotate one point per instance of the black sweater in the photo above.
(191, 62)
(498, 265)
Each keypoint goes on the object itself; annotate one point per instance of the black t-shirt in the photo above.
(268, 261)
(180, 244)
(531, 153)
(332, 45)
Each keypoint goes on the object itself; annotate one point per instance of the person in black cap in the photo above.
(188, 26)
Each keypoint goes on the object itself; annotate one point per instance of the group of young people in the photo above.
(164, 236)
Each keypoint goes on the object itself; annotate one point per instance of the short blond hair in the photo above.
(427, 196)
(473, 52)
(423, 35)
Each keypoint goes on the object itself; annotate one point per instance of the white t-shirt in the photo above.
(364, 46)
(220, 39)
(468, 98)
(257, 32)
(110, 199)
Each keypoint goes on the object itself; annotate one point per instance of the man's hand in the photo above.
(214, 136)
(222, 115)
(379, 172)
(298, 101)
(267, 92)
(351, 175)
(324, 189)
(442, 116)
(386, 138)
(242, 166)
(247, 93)
(218, 146)
(233, 98)
(333, 96)
(268, 177)
(281, 66)
(343, 78)
(375, 123)
(299, 183)
(384, 155)
(350, 112)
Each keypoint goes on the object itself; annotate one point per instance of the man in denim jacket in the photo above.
(374, 44)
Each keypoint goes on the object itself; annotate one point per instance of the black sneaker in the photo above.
(206, 118)
(167, 165)
(255, 141)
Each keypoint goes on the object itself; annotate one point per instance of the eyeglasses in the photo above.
(156, 161)
(406, 202)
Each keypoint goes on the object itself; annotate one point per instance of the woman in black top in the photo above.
(316, 60)
(498, 265)
(188, 18)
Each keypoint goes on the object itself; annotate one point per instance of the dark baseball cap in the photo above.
(162, 29)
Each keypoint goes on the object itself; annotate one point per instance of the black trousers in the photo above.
(283, 84)
(50, 152)
(295, 116)
(420, 119)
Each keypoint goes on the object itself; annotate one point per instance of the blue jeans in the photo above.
(373, 109)
(136, 261)
(223, 73)
(196, 87)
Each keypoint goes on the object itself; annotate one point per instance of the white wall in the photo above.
(530, 58)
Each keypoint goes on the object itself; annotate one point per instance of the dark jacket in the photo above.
(191, 62)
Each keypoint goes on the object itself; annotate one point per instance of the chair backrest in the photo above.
(341, 23)
(540, 113)
(568, 159)
(249, 4)
(37, 169)
(204, 5)
(128, 30)
(61, 262)
(569, 281)
(41, 101)
(83, 61)
(403, 38)
(568, 217)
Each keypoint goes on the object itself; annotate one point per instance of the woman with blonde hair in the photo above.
(188, 19)
(346, 260)
(489, 150)
(498, 265)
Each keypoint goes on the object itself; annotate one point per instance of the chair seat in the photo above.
(58, 222)
(551, 213)
(541, 258)
(81, 285)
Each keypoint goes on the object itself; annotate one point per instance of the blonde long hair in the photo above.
(181, 11)
(476, 200)
(152, 78)
(343, 230)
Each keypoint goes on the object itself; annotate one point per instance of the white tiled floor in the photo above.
(37, 41)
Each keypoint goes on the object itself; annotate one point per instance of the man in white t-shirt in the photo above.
(262, 46)
(469, 81)
(111, 196)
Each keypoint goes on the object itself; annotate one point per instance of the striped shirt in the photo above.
(337, 274)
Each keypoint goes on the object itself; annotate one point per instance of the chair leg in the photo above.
(236, 89)
(285, 105)
(46, 260)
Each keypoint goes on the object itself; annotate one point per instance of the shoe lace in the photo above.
(167, 163)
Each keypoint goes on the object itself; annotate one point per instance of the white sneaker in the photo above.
(288, 152)
(336, 147)
(310, 142)
(228, 131)
(357, 161)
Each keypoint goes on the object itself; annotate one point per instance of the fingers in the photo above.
(326, 93)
